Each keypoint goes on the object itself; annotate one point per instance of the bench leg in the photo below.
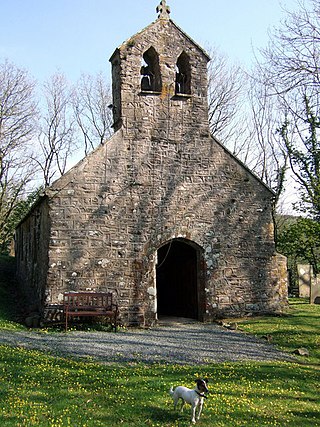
(115, 322)
(66, 322)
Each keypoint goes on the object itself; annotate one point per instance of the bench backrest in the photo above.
(88, 299)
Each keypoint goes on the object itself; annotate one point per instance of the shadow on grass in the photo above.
(157, 414)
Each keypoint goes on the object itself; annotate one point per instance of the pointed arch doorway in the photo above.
(177, 280)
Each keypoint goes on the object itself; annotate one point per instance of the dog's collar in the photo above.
(201, 395)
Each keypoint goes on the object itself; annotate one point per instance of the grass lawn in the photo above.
(38, 389)
(299, 327)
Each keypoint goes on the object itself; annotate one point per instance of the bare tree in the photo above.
(57, 133)
(229, 112)
(292, 76)
(226, 84)
(293, 52)
(17, 125)
(91, 102)
(270, 158)
(300, 133)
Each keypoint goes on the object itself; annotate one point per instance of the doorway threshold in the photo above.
(173, 321)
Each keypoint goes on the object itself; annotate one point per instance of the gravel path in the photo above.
(174, 342)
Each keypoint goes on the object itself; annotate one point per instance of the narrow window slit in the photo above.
(183, 75)
(150, 72)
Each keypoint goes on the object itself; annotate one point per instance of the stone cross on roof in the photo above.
(163, 10)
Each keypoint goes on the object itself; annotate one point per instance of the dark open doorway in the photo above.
(177, 280)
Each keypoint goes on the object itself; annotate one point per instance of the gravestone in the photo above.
(309, 283)
(305, 272)
(315, 290)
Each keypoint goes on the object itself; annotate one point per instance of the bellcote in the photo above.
(158, 68)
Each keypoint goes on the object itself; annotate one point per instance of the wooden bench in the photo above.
(90, 304)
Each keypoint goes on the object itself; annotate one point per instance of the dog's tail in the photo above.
(171, 391)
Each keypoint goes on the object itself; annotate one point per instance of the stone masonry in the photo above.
(160, 179)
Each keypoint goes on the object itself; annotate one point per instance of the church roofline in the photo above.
(241, 163)
(130, 40)
(192, 41)
(68, 177)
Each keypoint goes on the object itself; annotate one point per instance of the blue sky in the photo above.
(79, 36)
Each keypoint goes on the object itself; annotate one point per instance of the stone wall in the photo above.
(32, 240)
(162, 177)
(111, 214)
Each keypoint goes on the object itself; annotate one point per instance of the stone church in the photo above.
(162, 214)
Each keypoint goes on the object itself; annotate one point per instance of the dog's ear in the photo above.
(204, 379)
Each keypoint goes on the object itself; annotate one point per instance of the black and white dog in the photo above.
(194, 397)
